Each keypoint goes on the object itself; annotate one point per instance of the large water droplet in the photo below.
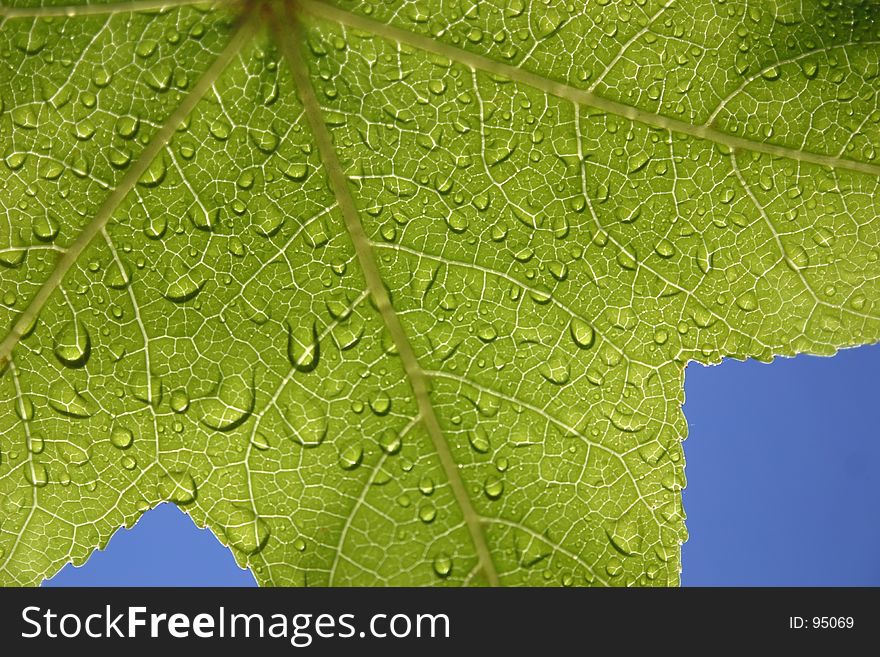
(381, 403)
(184, 288)
(45, 228)
(246, 532)
(177, 487)
(64, 398)
(390, 441)
(36, 474)
(351, 456)
(121, 437)
(303, 347)
(479, 440)
(555, 370)
(582, 333)
(442, 565)
(309, 421)
(493, 487)
(230, 407)
(747, 301)
(427, 513)
(73, 346)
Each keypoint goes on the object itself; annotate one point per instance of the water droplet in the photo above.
(797, 257)
(427, 513)
(390, 441)
(118, 275)
(179, 401)
(36, 474)
(747, 301)
(128, 462)
(426, 485)
(704, 258)
(823, 237)
(84, 130)
(230, 407)
(155, 173)
(177, 487)
(661, 336)
(45, 228)
(25, 409)
(479, 440)
(638, 162)
(381, 403)
(73, 346)
(245, 531)
(236, 247)
(268, 222)
(665, 248)
(64, 398)
(155, 227)
(493, 487)
(809, 68)
(614, 567)
(265, 140)
(219, 130)
(582, 333)
(457, 222)
(442, 565)
(127, 126)
(24, 117)
(555, 370)
(486, 332)
(351, 456)
(36, 444)
(303, 347)
(296, 171)
(184, 288)
(260, 441)
(316, 233)
(121, 438)
(309, 422)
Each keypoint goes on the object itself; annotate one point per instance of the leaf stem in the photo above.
(289, 35)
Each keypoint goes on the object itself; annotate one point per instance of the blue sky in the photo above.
(782, 487)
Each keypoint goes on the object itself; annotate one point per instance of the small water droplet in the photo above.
(219, 130)
(230, 407)
(486, 332)
(245, 531)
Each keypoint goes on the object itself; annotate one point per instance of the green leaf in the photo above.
(404, 292)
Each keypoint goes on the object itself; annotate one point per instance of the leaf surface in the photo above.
(403, 293)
